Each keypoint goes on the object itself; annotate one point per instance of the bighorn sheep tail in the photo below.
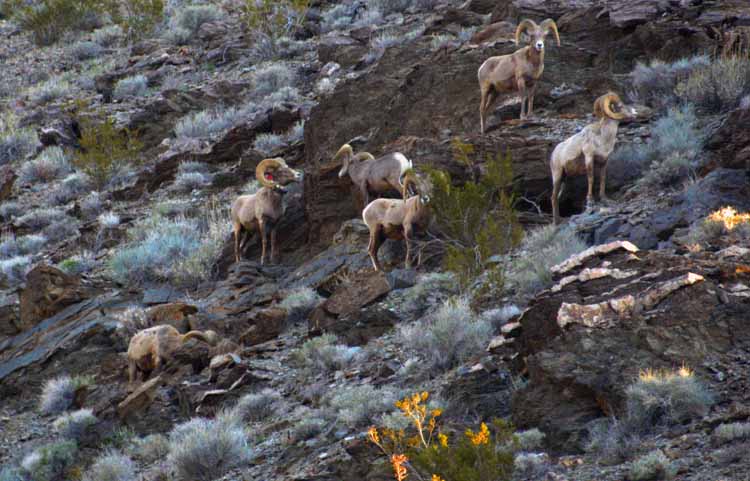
(263, 166)
(603, 106)
(522, 27)
(548, 25)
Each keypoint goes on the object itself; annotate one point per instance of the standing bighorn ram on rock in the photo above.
(397, 218)
(150, 349)
(516, 72)
(263, 210)
(372, 175)
(578, 154)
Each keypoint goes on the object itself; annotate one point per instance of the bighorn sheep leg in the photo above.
(132, 371)
(602, 183)
(524, 94)
(376, 239)
(408, 232)
(274, 246)
(590, 175)
(237, 228)
(556, 191)
(263, 240)
(482, 108)
(530, 107)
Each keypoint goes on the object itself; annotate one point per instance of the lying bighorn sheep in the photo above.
(397, 219)
(370, 174)
(151, 348)
(578, 154)
(263, 210)
(518, 71)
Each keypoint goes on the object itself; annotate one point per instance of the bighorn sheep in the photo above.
(578, 154)
(370, 174)
(263, 210)
(516, 72)
(151, 348)
(397, 219)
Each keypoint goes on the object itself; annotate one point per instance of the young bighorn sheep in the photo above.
(373, 175)
(263, 210)
(516, 72)
(397, 219)
(150, 349)
(578, 154)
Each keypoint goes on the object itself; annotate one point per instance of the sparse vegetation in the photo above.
(530, 465)
(273, 77)
(48, 166)
(652, 466)
(190, 181)
(84, 50)
(112, 466)
(40, 218)
(728, 432)
(74, 425)
(16, 143)
(270, 24)
(51, 461)
(78, 263)
(256, 407)
(324, 354)
(107, 36)
(135, 86)
(151, 448)
(530, 440)
(612, 440)
(206, 123)
(14, 269)
(10, 209)
(49, 90)
(48, 20)
(360, 406)
(718, 86)
(203, 449)
(105, 151)
(11, 246)
(723, 222)
(267, 144)
(59, 393)
(654, 83)
(447, 337)
(140, 17)
(299, 303)
(71, 187)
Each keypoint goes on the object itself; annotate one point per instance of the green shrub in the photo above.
(299, 303)
(139, 17)
(49, 90)
(476, 221)
(48, 166)
(112, 466)
(530, 440)
(51, 461)
(105, 150)
(269, 22)
(652, 466)
(16, 143)
(48, 20)
(107, 36)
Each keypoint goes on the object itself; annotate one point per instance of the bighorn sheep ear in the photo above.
(603, 106)
(548, 25)
(263, 167)
(522, 27)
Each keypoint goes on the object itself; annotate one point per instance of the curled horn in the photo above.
(548, 25)
(408, 178)
(603, 106)
(263, 166)
(522, 27)
(346, 152)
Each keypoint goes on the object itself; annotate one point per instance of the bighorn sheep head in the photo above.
(346, 153)
(537, 33)
(274, 173)
(415, 185)
(610, 105)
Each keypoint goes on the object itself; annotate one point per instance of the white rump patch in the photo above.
(405, 163)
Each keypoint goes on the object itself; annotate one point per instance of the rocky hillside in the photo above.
(610, 347)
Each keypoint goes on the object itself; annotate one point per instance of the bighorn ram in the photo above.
(578, 154)
(151, 348)
(373, 175)
(263, 210)
(516, 72)
(397, 219)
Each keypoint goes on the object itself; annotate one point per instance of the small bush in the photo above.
(177, 250)
(654, 83)
(542, 249)
(665, 397)
(40, 218)
(105, 151)
(360, 406)
(718, 86)
(50, 462)
(501, 315)
(725, 433)
(50, 165)
(152, 448)
(270, 23)
(71, 187)
(306, 429)
(91, 205)
(256, 407)
(25, 245)
(386, 39)
(14, 269)
(107, 36)
(273, 77)
(338, 17)
(391, 6)
(530, 465)
(322, 354)
(74, 425)
(48, 20)
(448, 337)
(85, 50)
(267, 144)
(140, 17)
(204, 124)
(299, 303)
(49, 90)
(285, 95)
(78, 264)
(112, 466)
(652, 466)
(296, 133)
(204, 450)
(188, 167)
(132, 320)
(612, 440)
(11, 209)
(108, 220)
(192, 17)
(530, 440)
(10, 474)
(135, 86)
(190, 181)
(58, 394)
(61, 228)
(15, 143)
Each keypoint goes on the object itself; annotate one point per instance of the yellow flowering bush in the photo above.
(484, 455)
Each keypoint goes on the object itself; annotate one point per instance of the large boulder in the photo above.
(48, 291)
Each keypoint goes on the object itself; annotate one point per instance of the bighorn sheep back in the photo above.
(263, 210)
(516, 72)
(397, 219)
(372, 175)
(578, 154)
(150, 349)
